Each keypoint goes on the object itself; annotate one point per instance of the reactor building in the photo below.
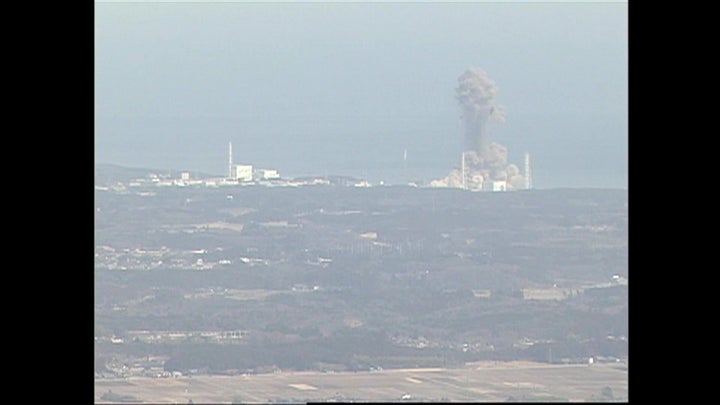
(483, 164)
(247, 173)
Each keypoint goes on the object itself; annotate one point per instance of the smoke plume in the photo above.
(476, 95)
(484, 162)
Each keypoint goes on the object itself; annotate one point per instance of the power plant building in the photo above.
(500, 185)
(267, 174)
(494, 185)
(238, 172)
(243, 172)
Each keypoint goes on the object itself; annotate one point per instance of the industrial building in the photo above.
(475, 182)
(238, 172)
(245, 173)
(242, 172)
(498, 185)
(266, 174)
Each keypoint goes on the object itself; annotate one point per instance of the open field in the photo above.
(475, 382)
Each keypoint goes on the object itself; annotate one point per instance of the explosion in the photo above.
(484, 164)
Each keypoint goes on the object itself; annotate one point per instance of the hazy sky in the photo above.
(344, 88)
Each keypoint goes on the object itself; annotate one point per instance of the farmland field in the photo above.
(485, 381)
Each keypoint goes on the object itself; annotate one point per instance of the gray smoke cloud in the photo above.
(476, 95)
(485, 162)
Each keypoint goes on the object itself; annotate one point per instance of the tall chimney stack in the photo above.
(528, 178)
(463, 172)
(230, 171)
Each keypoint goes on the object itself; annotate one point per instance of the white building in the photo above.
(185, 176)
(267, 174)
(363, 183)
(499, 185)
(243, 172)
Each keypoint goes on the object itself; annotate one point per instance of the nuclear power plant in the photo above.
(245, 172)
(483, 164)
